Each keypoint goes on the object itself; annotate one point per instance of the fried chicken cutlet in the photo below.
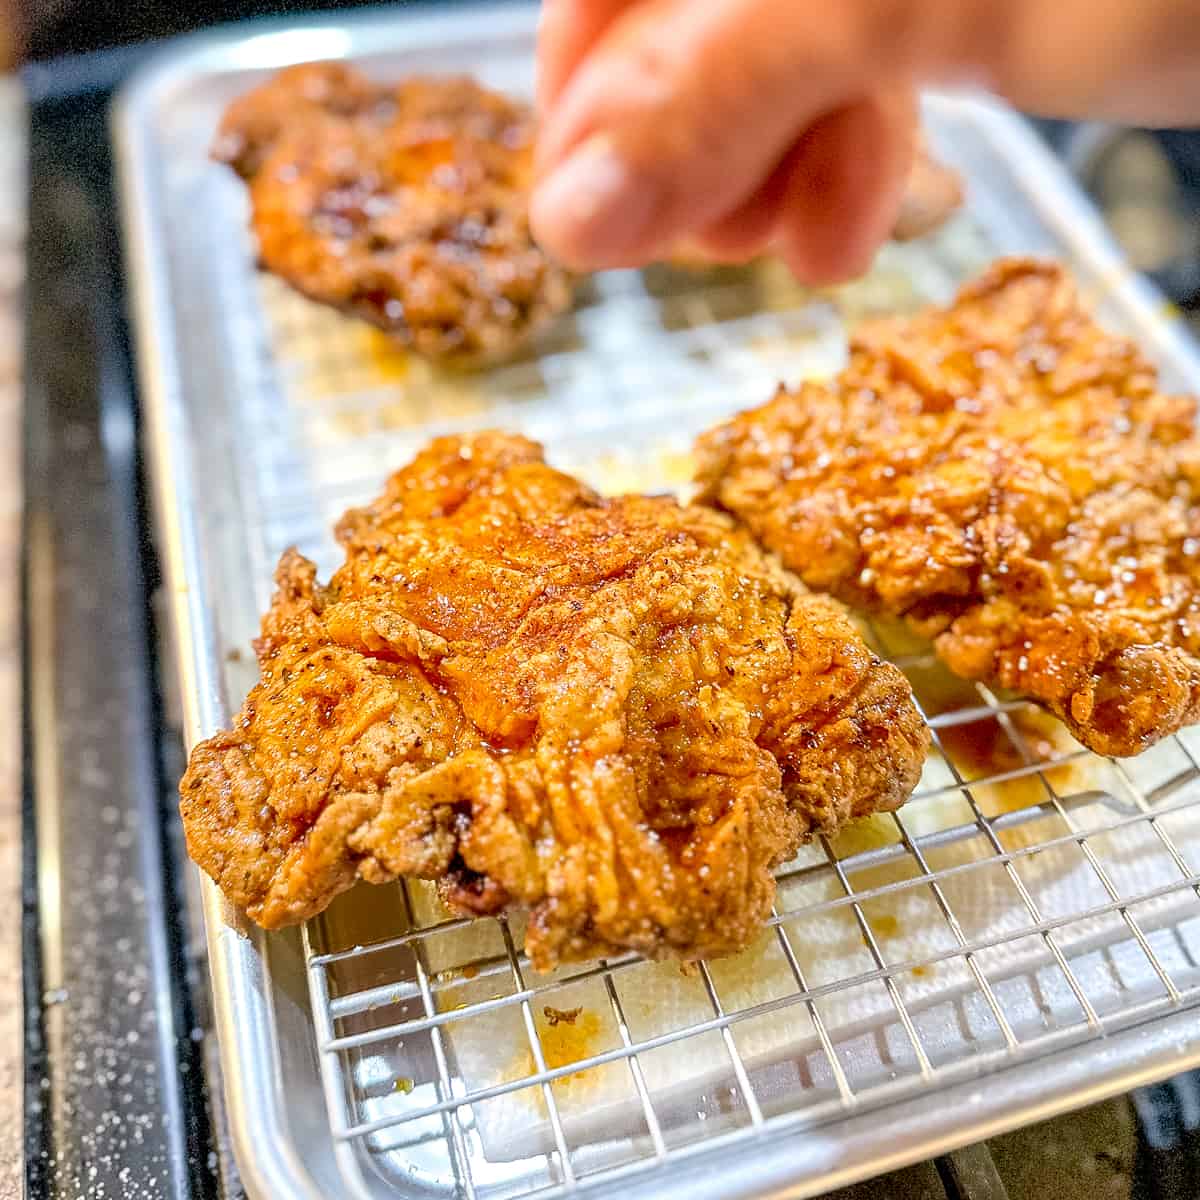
(404, 205)
(618, 714)
(1007, 477)
(407, 205)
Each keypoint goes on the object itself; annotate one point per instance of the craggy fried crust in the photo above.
(1008, 477)
(618, 714)
(404, 205)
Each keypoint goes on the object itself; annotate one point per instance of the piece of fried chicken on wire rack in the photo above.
(404, 205)
(617, 714)
(1009, 478)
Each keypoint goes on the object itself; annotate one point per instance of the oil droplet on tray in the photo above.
(886, 925)
(389, 359)
(984, 748)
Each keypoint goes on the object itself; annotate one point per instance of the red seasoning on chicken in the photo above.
(617, 714)
(405, 205)
(1009, 478)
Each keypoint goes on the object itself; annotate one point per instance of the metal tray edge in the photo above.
(241, 993)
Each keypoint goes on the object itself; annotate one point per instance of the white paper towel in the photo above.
(909, 927)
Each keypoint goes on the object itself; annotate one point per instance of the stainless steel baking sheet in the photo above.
(1023, 938)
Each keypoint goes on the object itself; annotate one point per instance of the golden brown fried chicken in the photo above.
(618, 714)
(1007, 476)
(404, 205)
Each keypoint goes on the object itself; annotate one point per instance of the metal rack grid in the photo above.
(329, 398)
(1056, 895)
(1172, 963)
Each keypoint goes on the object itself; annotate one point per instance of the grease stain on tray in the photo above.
(886, 925)
(657, 470)
(985, 748)
(565, 1038)
(389, 359)
(569, 1041)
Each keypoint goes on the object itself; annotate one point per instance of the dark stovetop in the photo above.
(122, 1097)
(115, 1090)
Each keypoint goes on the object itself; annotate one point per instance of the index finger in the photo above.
(567, 29)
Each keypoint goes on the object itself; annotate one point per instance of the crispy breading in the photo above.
(1009, 478)
(618, 714)
(405, 205)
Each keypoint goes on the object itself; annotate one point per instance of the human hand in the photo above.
(735, 126)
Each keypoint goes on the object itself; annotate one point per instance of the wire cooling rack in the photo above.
(1030, 898)
(398, 986)
(388, 1020)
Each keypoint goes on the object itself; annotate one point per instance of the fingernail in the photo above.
(593, 209)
